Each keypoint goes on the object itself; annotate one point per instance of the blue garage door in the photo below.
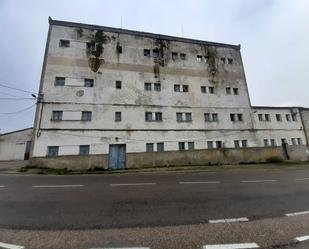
(117, 156)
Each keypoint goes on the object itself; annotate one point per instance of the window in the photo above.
(148, 116)
(278, 117)
(236, 144)
(119, 49)
(244, 143)
(57, 115)
(52, 150)
(207, 117)
(84, 149)
(149, 147)
(211, 117)
(223, 60)
(267, 117)
(293, 140)
(118, 84)
(260, 117)
(294, 117)
(206, 58)
(59, 81)
(228, 90)
(199, 58)
(147, 86)
(86, 116)
(179, 116)
(230, 61)
(117, 116)
(181, 146)
(235, 91)
(160, 147)
(174, 56)
(64, 43)
(299, 141)
(158, 116)
(177, 88)
(215, 117)
(266, 142)
(239, 116)
(288, 117)
(188, 116)
(147, 52)
(88, 82)
(183, 56)
(155, 53)
(90, 46)
(190, 145)
(210, 145)
(157, 87)
(273, 142)
(211, 89)
(218, 144)
(283, 141)
(232, 117)
(203, 89)
(185, 88)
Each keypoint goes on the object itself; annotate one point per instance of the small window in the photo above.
(223, 60)
(57, 115)
(149, 147)
(155, 53)
(203, 89)
(210, 145)
(179, 116)
(52, 150)
(206, 59)
(157, 87)
(236, 144)
(183, 56)
(294, 117)
(190, 145)
(174, 56)
(147, 52)
(288, 117)
(244, 143)
(118, 84)
(215, 117)
(230, 61)
(260, 117)
(158, 116)
(147, 86)
(228, 90)
(211, 90)
(185, 88)
(148, 116)
(117, 116)
(84, 149)
(218, 144)
(88, 82)
(188, 116)
(59, 81)
(160, 147)
(299, 141)
(181, 146)
(86, 116)
(283, 141)
(266, 143)
(232, 117)
(267, 117)
(239, 116)
(235, 91)
(273, 142)
(293, 140)
(199, 58)
(64, 43)
(278, 117)
(119, 49)
(207, 117)
(177, 88)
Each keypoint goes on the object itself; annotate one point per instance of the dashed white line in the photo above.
(302, 238)
(2, 186)
(232, 246)
(58, 186)
(10, 246)
(132, 184)
(301, 179)
(121, 248)
(208, 182)
(243, 219)
(297, 213)
(258, 181)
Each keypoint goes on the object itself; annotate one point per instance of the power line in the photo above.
(17, 98)
(17, 112)
(11, 95)
(17, 89)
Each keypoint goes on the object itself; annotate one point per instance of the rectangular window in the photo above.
(232, 117)
(283, 141)
(52, 150)
(199, 58)
(267, 117)
(228, 90)
(157, 87)
(181, 146)
(148, 116)
(183, 56)
(147, 52)
(59, 81)
(176, 88)
(185, 88)
(160, 147)
(188, 116)
(244, 143)
(57, 115)
(88, 82)
(230, 61)
(118, 84)
(288, 117)
(236, 144)
(211, 89)
(223, 60)
(207, 117)
(278, 117)
(266, 143)
(147, 86)
(174, 56)
(117, 116)
(293, 140)
(158, 116)
(64, 43)
(90, 46)
(203, 89)
(239, 116)
(86, 116)
(84, 149)
(218, 144)
(294, 117)
(179, 116)
(260, 117)
(273, 142)
(155, 53)
(299, 141)
(119, 49)
(215, 117)
(206, 59)
(235, 91)
(210, 145)
(149, 147)
(190, 145)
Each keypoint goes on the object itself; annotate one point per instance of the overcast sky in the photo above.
(274, 38)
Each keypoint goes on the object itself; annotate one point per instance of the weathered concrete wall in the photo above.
(298, 153)
(305, 117)
(171, 158)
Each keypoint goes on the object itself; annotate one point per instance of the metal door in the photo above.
(27, 150)
(117, 156)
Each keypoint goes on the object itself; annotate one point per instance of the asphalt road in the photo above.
(149, 200)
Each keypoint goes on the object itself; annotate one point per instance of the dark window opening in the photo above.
(149, 147)
(52, 150)
(158, 116)
(190, 145)
(235, 91)
(199, 58)
(177, 88)
(117, 116)
(228, 90)
(183, 56)
(185, 88)
(181, 146)
(119, 49)
(88, 82)
(64, 43)
(59, 81)
(230, 61)
(203, 89)
(211, 90)
(155, 53)
(57, 115)
(118, 84)
(147, 86)
(174, 56)
(157, 87)
(84, 149)
(147, 52)
(86, 116)
(160, 147)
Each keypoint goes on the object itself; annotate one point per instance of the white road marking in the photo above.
(2, 186)
(57, 186)
(301, 179)
(258, 181)
(297, 213)
(121, 248)
(132, 184)
(232, 246)
(243, 219)
(302, 238)
(209, 182)
(10, 246)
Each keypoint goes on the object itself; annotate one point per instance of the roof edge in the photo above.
(277, 107)
(139, 33)
(7, 133)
